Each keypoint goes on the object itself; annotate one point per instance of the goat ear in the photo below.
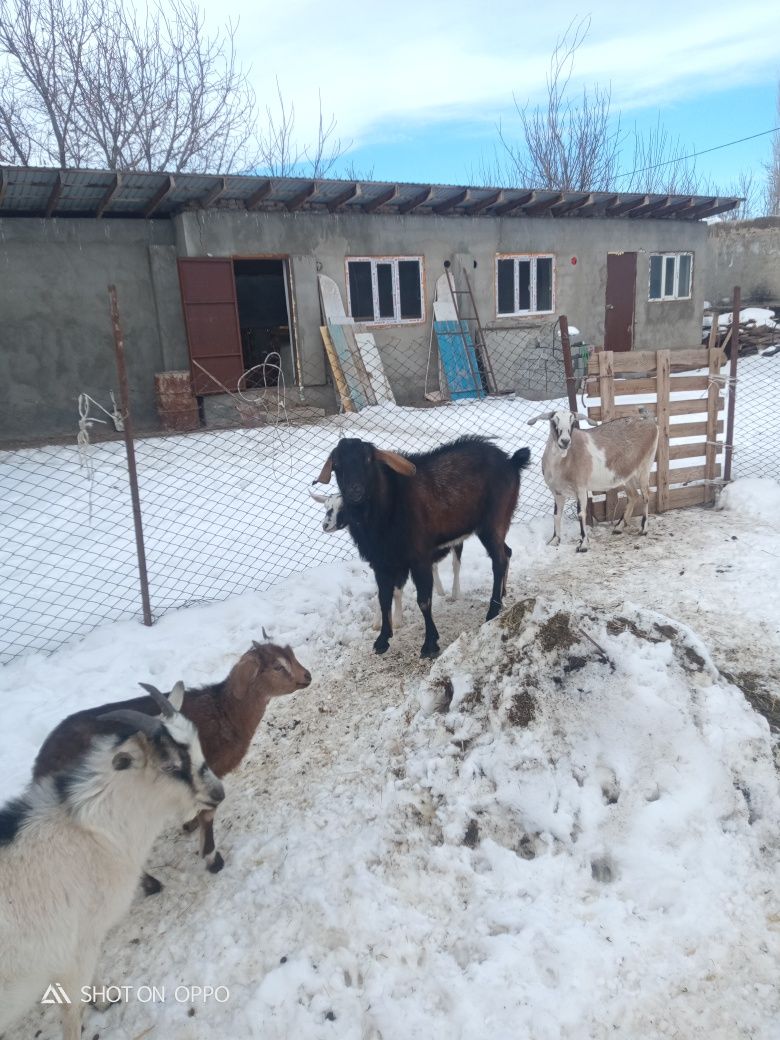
(396, 462)
(176, 696)
(538, 418)
(327, 470)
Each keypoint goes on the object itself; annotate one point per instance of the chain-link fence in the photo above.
(227, 510)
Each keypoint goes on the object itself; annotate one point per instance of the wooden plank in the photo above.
(683, 474)
(355, 376)
(338, 375)
(712, 419)
(662, 415)
(108, 195)
(693, 429)
(489, 200)
(417, 200)
(691, 406)
(515, 203)
(692, 451)
(54, 195)
(341, 199)
(257, 196)
(644, 361)
(448, 205)
(647, 385)
(679, 498)
(160, 195)
(211, 196)
(458, 359)
(302, 196)
(386, 196)
(606, 378)
(373, 362)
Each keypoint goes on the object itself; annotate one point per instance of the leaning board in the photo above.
(458, 359)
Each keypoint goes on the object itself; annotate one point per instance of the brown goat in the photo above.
(226, 715)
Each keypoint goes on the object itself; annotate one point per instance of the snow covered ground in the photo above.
(567, 827)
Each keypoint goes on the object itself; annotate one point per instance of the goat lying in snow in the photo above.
(616, 454)
(404, 513)
(335, 520)
(72, 847)
(226, 715)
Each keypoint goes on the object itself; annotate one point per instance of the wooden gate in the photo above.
(689, 410)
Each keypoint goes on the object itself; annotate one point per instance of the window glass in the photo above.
(409, 284)
(656, 264)
(361, 297)
(543, 284)
(669, 276)
(524, 287)
(384, 283)
(506, 286)
(684, 278)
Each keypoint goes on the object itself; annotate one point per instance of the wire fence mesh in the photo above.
(226, 509)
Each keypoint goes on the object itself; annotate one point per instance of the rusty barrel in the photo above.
(176, 403)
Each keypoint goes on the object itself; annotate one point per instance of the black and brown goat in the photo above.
(226, 715)
(404, 512)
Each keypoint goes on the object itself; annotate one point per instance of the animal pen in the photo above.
(220, 512)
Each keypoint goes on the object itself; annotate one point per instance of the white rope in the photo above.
(261, 401)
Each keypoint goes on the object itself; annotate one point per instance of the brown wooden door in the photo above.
(208, 296)
(621, 292)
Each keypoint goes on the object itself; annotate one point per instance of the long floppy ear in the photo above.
(327, 470)
(538, 418)
(396, 462)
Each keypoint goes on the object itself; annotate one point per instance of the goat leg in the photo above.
(385, 586)
(582, 505)
(212, 856)
(457, 552)
(558, 507)
(422, 575)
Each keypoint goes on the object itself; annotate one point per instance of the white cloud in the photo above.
(382, 69)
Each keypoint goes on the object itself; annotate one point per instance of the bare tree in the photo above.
(84, 83)
(772, 168)
(569, 144)
(280, 154)
(660, 165)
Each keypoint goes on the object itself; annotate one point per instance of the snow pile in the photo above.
(758, 316)
(595, 811)
(752, 496)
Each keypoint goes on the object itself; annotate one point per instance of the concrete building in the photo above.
(213, 272)
(744, 253)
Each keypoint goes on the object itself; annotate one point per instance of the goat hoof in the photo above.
(217, 863)
(555, 540)
(430, 652)
(617, 530)
(381, 646)
(150, 885)
(190, 825)
(104, 1005)
(493, 611)
(582, 548)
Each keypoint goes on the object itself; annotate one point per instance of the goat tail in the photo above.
(522, 458)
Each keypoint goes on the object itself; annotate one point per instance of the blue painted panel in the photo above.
(458, 359)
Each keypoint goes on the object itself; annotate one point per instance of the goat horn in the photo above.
(161, 700)
(148, 724)
(265, 634)
(537, 418)
(317, 496)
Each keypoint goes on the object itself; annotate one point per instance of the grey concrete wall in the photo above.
(55, 334)
(55, 331)
(324, 240)
(744, 253)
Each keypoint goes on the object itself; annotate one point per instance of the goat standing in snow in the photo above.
(226, 715)
(335, 520)
(405, 512)
(72, 847)
(616, 454)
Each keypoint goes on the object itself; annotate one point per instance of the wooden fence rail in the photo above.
(689, 410)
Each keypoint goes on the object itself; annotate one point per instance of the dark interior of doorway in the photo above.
(263, 317)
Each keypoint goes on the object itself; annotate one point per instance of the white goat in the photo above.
(576, 463)
(335, 521)
(73, 845)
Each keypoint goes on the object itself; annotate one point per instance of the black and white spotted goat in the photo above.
(73, 845)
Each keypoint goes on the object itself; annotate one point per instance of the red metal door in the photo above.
(621, 292)
(208, 296)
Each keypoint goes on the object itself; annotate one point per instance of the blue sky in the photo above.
(418, 88)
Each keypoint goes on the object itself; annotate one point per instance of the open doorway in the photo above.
(264, 317)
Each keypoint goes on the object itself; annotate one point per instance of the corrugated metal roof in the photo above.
(30, 192)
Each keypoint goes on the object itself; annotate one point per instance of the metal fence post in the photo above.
(124, 395)
(735, 310)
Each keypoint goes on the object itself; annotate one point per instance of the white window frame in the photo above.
(393, 261)
(675, 294)
(532, 257)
